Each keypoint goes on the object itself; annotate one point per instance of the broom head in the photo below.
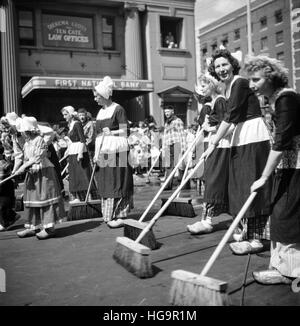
(132, 230)
(179, 207)
(190, 289)
(87, 211)
(134, 257)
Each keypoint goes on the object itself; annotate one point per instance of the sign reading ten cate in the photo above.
(67, 31)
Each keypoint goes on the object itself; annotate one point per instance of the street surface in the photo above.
(76, 267)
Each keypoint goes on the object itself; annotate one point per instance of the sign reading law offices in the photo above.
(67, 31)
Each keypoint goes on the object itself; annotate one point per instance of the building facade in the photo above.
(54, 52)
(275, 26)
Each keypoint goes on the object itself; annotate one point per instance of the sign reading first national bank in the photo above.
(44, 82)
(67, 31)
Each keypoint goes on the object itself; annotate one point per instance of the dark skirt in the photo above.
(216, 177)
(114, 176)
(79, 173)
(285, 218)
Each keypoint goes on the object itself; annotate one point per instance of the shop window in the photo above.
(279, 37)
(278, 16)
(108, 32)
(26, 27)
(171, 32)
(280, 56)
(263, 22)
(264, 43)
(237, 34)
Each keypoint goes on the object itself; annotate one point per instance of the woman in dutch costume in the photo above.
(80, 170)
(250, 146)
(216, 171)
(42, 192)
(269, 78)
(114, 176)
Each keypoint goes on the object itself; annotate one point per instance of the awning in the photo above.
(137, 87)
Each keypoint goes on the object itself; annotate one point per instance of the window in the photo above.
(278, 16)
(264, 43)
(225, 40)
(204, 50)
(280, 56)
(26, 27)
(237, 34)
(171, 32)
(214, 46)
(108, 32)
(279, 37)
(263, 22)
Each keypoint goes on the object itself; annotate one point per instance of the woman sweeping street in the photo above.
(114, 176)
(250, 147)
(268, 77)
(80, 170)
(216, 166)
(42, 192)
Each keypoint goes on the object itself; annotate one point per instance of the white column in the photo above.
(133, 41)
(133, 55)
(10, 78)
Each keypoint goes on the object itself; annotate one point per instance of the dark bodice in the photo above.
(242, 103)
(287, 120)
(77, 133)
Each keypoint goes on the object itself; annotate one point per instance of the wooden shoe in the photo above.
(246, 247)
(113, 224)
(26, 233)
(201, 227)
(46, 234)
(271, 276)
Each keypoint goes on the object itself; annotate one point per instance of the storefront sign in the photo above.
(40, 82)
(67, 31)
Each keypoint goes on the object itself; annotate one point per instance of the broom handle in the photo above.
(195, 141)
(185, 172)
(11, 177)
(93, 172)
(63, 158)
(65, 169)
(228, 234)
(153, 164)
(90, 184)
(167, 203)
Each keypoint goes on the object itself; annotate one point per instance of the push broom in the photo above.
(133, 255)
(88, 208)
(181, 206)
(132, 228)
(190, 289)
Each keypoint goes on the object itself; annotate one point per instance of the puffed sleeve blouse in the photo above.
(287, 120)
(242, 103)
